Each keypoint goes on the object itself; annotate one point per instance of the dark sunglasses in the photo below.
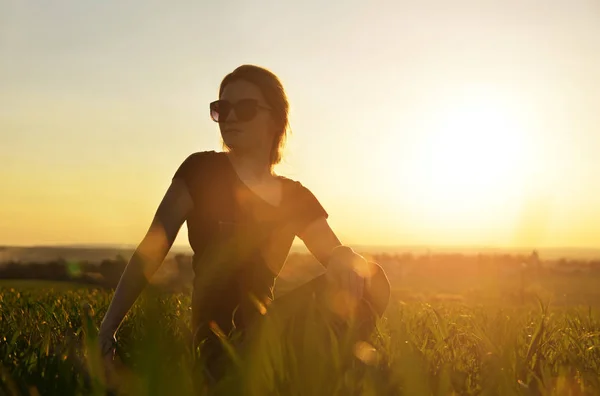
(245, 109)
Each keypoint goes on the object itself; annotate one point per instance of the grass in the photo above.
(47, 346)
(29, 284)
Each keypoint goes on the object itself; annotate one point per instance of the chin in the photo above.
(233, 147)
(231, 143)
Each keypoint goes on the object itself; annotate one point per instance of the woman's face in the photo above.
(245, 118)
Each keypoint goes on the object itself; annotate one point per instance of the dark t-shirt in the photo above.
(240, 241)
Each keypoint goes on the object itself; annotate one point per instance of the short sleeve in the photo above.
(307, 208)
(192, 169)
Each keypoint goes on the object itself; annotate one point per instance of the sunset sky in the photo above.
(424, 122)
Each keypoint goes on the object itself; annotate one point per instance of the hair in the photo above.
(272, 90)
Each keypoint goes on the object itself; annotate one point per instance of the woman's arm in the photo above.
(147, 258)
(320, 240)
(371, 282)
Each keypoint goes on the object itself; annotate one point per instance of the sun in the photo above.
(470, 165)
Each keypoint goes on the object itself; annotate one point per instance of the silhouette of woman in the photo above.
(242, 219)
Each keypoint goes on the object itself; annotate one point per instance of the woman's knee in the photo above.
(377, 288)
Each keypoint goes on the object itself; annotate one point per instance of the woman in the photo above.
(242, 219)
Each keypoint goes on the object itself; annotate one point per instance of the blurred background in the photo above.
(440, 124)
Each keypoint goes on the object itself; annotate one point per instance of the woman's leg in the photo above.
(315, 301)
(300, 327)
(208, 360)
(213, 361)
(373, 305)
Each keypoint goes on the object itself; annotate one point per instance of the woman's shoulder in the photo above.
(202, 156)
(303, 203)
(192, 166)
(292, 184)
(298, 190)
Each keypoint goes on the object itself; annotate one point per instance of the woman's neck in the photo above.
(255, 167)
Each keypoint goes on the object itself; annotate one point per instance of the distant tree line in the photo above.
(108, 272)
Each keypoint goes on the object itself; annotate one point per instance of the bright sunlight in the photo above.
(472, 165)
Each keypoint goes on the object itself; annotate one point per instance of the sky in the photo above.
(429, 122)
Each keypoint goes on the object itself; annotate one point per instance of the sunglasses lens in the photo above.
(214, 111)
(219, 110)
(245, 110)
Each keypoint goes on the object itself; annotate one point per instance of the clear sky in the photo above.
(422, 122)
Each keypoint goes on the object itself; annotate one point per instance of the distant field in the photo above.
(37, 285)
(430, 344)
(94, 253)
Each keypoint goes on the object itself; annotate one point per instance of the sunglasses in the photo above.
(245, 109)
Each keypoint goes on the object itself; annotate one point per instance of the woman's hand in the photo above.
(107, 346)
(347, 273)
(118, 377)
(346, 270)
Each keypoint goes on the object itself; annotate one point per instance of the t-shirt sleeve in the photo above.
(191, 171)
(308, 209)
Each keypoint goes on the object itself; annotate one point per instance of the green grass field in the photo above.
(47, 346)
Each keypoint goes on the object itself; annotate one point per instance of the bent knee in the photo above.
(378, 289)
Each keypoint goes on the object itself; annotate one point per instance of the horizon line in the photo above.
(296, 245)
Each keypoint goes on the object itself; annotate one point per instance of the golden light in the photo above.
(471, 165)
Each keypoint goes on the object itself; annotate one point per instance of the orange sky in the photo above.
(413, 123)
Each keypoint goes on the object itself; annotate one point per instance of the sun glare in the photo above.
(471, 165)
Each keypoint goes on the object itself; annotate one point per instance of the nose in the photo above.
(231, 117)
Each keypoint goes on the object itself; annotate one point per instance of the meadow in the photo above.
(441, 335)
